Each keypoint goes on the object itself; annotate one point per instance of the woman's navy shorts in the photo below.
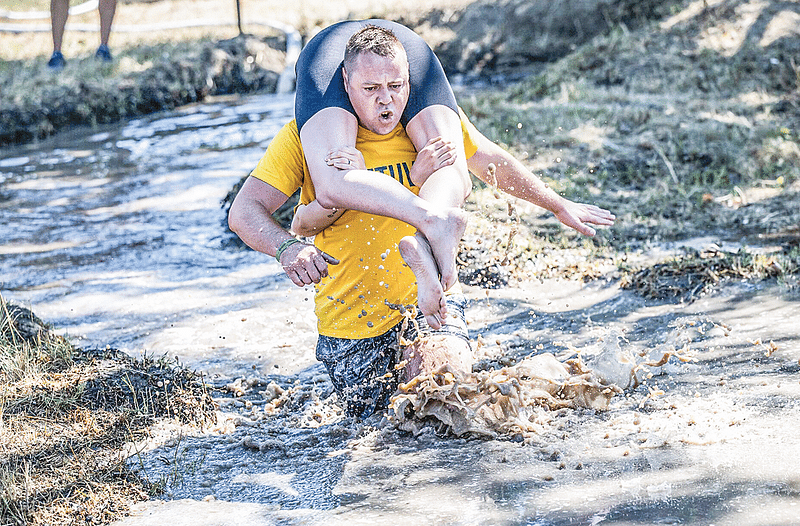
(320, 83)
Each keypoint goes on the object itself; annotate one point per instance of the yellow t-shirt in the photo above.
(351, 301)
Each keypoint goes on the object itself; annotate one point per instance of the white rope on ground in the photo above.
(127, 28)
(81, 9)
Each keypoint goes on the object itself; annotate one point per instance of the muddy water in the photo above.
(114, 236)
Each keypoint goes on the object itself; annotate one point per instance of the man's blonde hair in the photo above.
(371, 39)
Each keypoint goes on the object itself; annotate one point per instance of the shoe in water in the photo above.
(56, 62)
(103, 53)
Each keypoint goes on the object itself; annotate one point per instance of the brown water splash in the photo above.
(515, 400)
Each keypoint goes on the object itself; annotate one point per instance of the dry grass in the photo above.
(27, 349)
(65, 417)
(690, 276)
(677, 137)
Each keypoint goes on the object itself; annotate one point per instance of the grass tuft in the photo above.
(66, 415)
(694, 274)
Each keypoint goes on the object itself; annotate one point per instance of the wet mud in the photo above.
(671, 446)
(511, 401)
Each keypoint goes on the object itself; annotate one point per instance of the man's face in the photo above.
(378, 90)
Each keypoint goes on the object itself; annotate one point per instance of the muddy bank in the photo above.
(36, 103)
(66, 415)
(686, 127)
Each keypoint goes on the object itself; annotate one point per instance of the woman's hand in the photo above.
(346, 158)
(438, 153)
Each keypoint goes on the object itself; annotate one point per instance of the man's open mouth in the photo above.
(386, 115)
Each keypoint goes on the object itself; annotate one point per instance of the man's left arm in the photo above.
(495, 166)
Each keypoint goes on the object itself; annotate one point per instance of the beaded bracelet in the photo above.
(286, 244)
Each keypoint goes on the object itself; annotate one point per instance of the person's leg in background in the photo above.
(107, 9)
(59, 11)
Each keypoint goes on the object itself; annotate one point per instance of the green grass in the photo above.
(676, 131)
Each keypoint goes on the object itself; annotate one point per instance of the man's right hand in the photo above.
(306, 264)
(579, 215)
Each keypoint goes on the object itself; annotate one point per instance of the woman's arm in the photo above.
(311, 219)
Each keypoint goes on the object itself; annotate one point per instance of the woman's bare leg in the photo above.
(441, 224)
(359, 189)
(448, 186)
